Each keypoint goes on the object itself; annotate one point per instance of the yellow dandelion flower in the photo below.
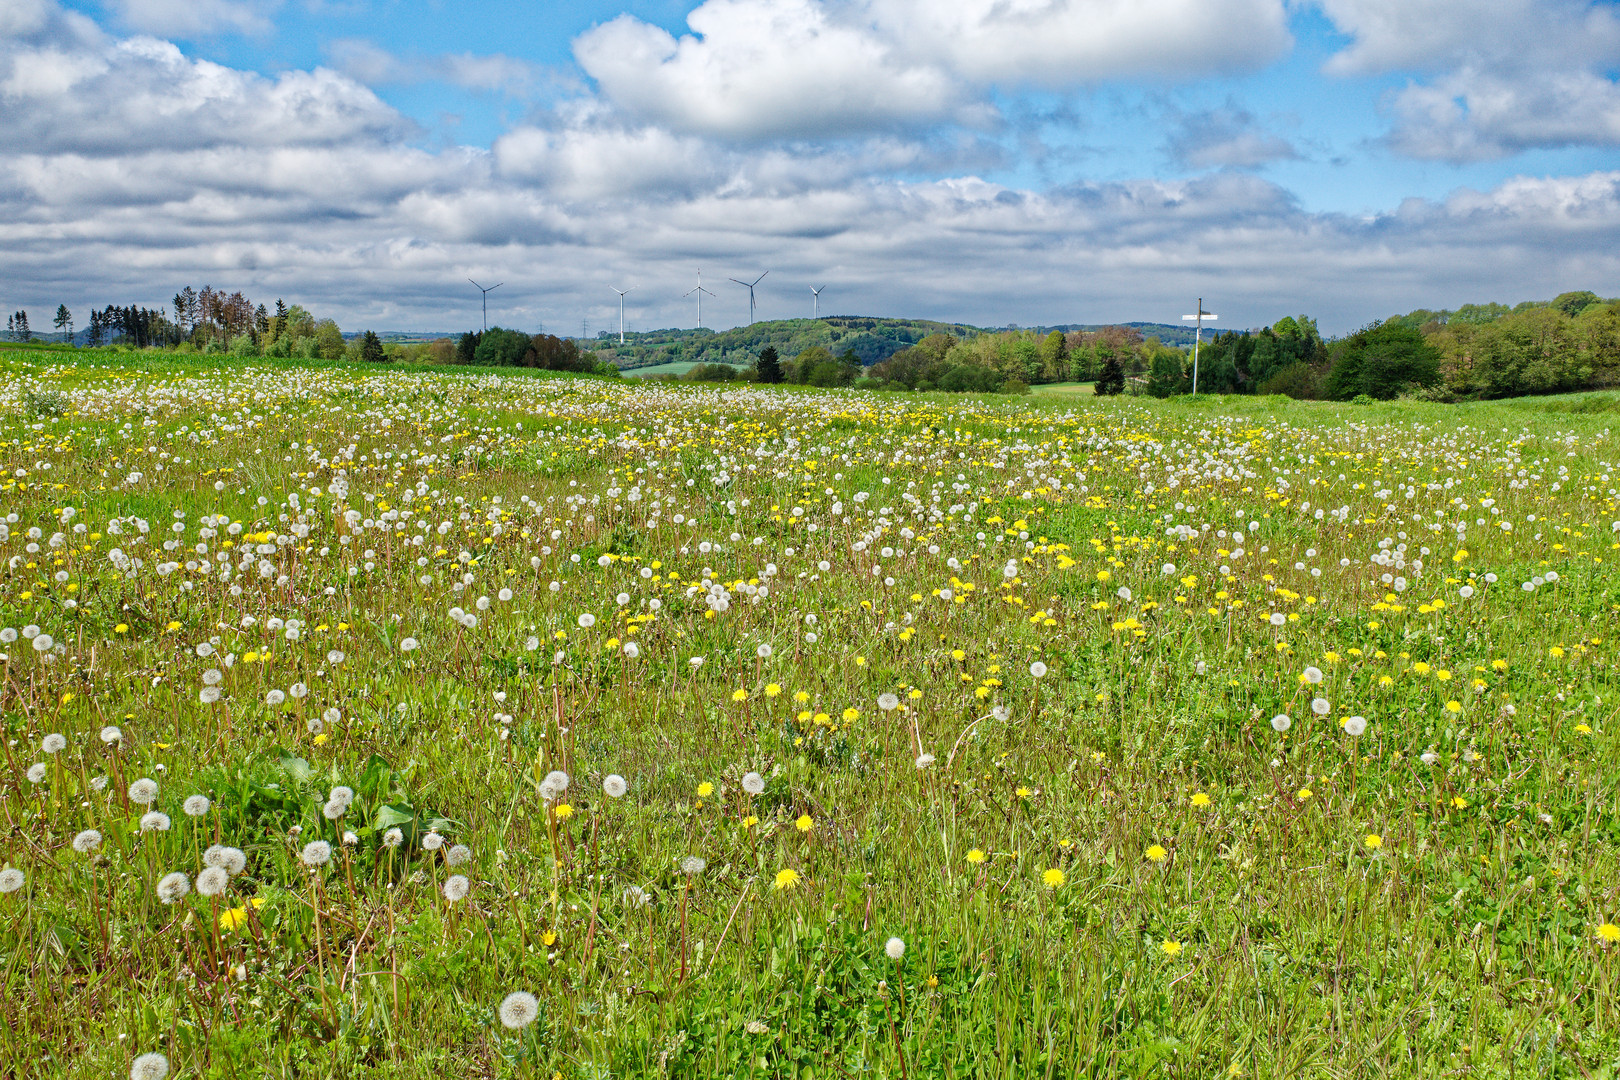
(1053, 878)
(804, 824)
(739, 694)
(1156, 853)
(787, 878)
(1170, 948)
(976, 857)
(232, 918)
(1609, 933)
(1200, 799)
(705, 789)
(564, 811)
(771, 690)
(1303, 793)
(1373, 841)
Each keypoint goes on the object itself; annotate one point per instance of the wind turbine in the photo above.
(486, 293)
(621, 293)
(700, 290)
(749, 285)
(1198, 333)
(817, 293)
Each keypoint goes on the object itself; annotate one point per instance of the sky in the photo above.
(993, 162)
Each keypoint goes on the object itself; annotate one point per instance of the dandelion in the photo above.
(12, 879)
(586, 621)
(1200, 799)
(924, 760)
(455, 887)
(196, 805)
(518, 1010)
(1311, 676)
(87, 841)
(1038, 670)
(1429, 757)
(231, 919)
(1608, 933)
(110, 734)
(155, 821)
(393, 838)
(36, 773)
(1354, 726)
(1281, 723)
(895, 947)
(804, 824)
(152, 1066)
(614, 786)
(53, 744)
(693, 865)
(888, 702)
(563, 811)
(315, 854)
(1320, 706)
(636, 897)
(433, 841)
(459, 855)
(1053, 878)
(1372, 841)
(1170, 948)
(212, 881)
(143, 792)
(787, 878)
(173, 887)
(753, 783)
(1156, 853)
(705, 789)
(976, 857)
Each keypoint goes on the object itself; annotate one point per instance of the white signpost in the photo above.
(1198, 334)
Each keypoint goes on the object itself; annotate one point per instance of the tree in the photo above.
(1380, 361)
(371, 348)
(503, 348)
(769, 366)
(328, 340)
(1165, 376)
(261, 324)
(18, 325)
(1111, 380)
(467, 347)
(1055, 357)
(278, 322)
(64, 322)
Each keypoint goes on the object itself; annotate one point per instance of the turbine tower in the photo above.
(817, 293)
(621, 293)
(700, 290)
(486, 293)
(1198, 333)
(749, 285)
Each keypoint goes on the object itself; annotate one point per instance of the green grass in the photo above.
(678, 368)
(1064, 389)
(1117, 868)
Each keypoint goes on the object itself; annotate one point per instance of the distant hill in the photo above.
(873, 339)
(1570, 303)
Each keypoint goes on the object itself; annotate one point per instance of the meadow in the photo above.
(379, 723)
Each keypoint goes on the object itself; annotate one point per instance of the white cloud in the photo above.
(1471, 115)
(1432, 35)
(1228, 137)
(489, 73)
(196, 18)
(804, 68)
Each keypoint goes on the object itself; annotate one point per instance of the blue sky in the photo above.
(1027, 161)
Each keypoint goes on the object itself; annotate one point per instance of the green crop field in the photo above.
(420, 724)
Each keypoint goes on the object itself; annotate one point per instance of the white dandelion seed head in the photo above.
(393, 838)
(408, 645)
(1038, 670)
(763, 652)
(1320, 706)
(12, 879)
(343, 794)
(1429, 757)
(214, 855)
(1278, 618)
(519, 1010)
(586, 621)
(614, 786)
(895, 947)
(44, 643)
(274, 697)
(334, 809)
(557, 779)
(212, 881)
(155, 821)
(456, 887)
(1354, 726)
(196, 805)
(152, 1066)
(1281, 723)
(233, 860)
(36, 773)
(458, 855)
(53, 744)
(143, 791)
(631, 650)
(753, 783)
(693, 865)
(888, 702)
(350, 838)
(1313, 675)
(173, 887)
(208, 695)
(316, 853)
(1001, 713)
(331, 716)
(87, 841)
(433, 841)
(925, 760)
(110, 734)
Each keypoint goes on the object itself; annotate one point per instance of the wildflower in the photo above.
(456, 887)
(924, 760)
(460, 855)
(408, 645)
(1200, 799)
(976, 857)
(1156, 853)
(1355, 725)
(231, 919)
(564, 811)
(1372, 841)
(36, 773)
(53, 744)
(212, 881)
(1428, 757)
(518, 1010)
(1038, 670)
(433, 841)
(154, 821)
(143, 791)
(895, 947)
(739, 694)
(1303, 793)
(110, 734)
(316, 853)
(705, 789)
(1281, 723)
(586, 621)
(1320, 706)
(1170, 948)
(11, 879)
(172, 887)
(693, 865)
(636, 897)
(804, 824)
(1459, 802)
(753, 783)
(888, 702)
(393, 838)
(152, 1066)
(1052, 878)
(196, 805)
(1311, 676)
(87, 841)
(787, 878)
(1609, 933)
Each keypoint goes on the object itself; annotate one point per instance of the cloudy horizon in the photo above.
(978, 161)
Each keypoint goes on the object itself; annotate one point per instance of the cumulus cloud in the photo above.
(1228, 137)
(1512, 75)
(487, 73)
(798, 68)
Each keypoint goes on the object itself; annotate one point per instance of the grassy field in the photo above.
(762, 732)
(679, 368)
(1064, 390)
